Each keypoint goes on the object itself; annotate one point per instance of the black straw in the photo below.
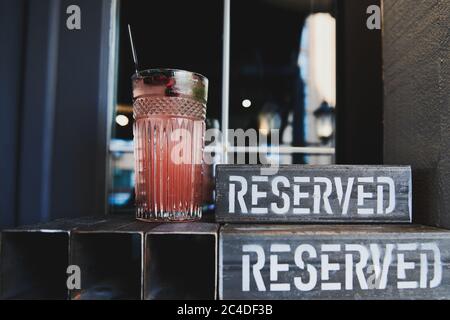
(133, 50)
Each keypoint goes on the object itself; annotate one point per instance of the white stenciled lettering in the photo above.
(240, 194)
(257, 267)
(287, 195)
(380, 195)
(328, 267)
(403, 266)
(362, 196)
(340, 266)
(300, 195)
(381, 269)
(256, 195)
(276, 267)
(344, 201)
(437, 265)
(359, 267)
(286, 201)
(318, 196)
(312, 271)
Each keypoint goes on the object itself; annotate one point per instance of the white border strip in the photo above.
(225, 78)
(284, 150)
(128, 148)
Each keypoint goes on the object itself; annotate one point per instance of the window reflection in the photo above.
(283, 70)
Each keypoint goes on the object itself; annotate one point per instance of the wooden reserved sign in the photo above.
(333, 262)
(296, 193)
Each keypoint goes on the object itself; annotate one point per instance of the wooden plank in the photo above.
(313, 194)
(334, 262)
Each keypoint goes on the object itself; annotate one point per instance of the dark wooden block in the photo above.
(313, 194)
(334, 262)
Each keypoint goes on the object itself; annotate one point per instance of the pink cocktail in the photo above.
(169, 109)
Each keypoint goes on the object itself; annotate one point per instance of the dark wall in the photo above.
(359, 119)
(12, 33)
(53, 110)
(417, 107)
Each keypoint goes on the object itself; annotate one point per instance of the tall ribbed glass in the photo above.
(169, 109)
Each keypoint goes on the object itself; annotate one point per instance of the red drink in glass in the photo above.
(169, 109)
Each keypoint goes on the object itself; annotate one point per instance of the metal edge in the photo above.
(225, 77)
(143, 263)
(35, 231)
(79, 232)
(216, 253)
(1, 266)
(410, 195)
(112, 66)
(145, 258)
(348, 221)
(210, 229)
(69, 293)
(366, 230)
(221, 167)
(220, 264)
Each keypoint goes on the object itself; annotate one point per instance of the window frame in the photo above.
(224, 125)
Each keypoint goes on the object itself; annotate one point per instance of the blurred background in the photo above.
(308, 68)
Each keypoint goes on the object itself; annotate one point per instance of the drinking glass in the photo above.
(169, 108)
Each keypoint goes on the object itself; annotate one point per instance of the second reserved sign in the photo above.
(296, 193)
(333, 262)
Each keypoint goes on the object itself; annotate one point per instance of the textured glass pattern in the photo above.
(169, 141)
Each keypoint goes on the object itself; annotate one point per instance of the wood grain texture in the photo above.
(328, 194)
(416, 54)
(259, 262)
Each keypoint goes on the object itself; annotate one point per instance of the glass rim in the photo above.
(152, 71)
